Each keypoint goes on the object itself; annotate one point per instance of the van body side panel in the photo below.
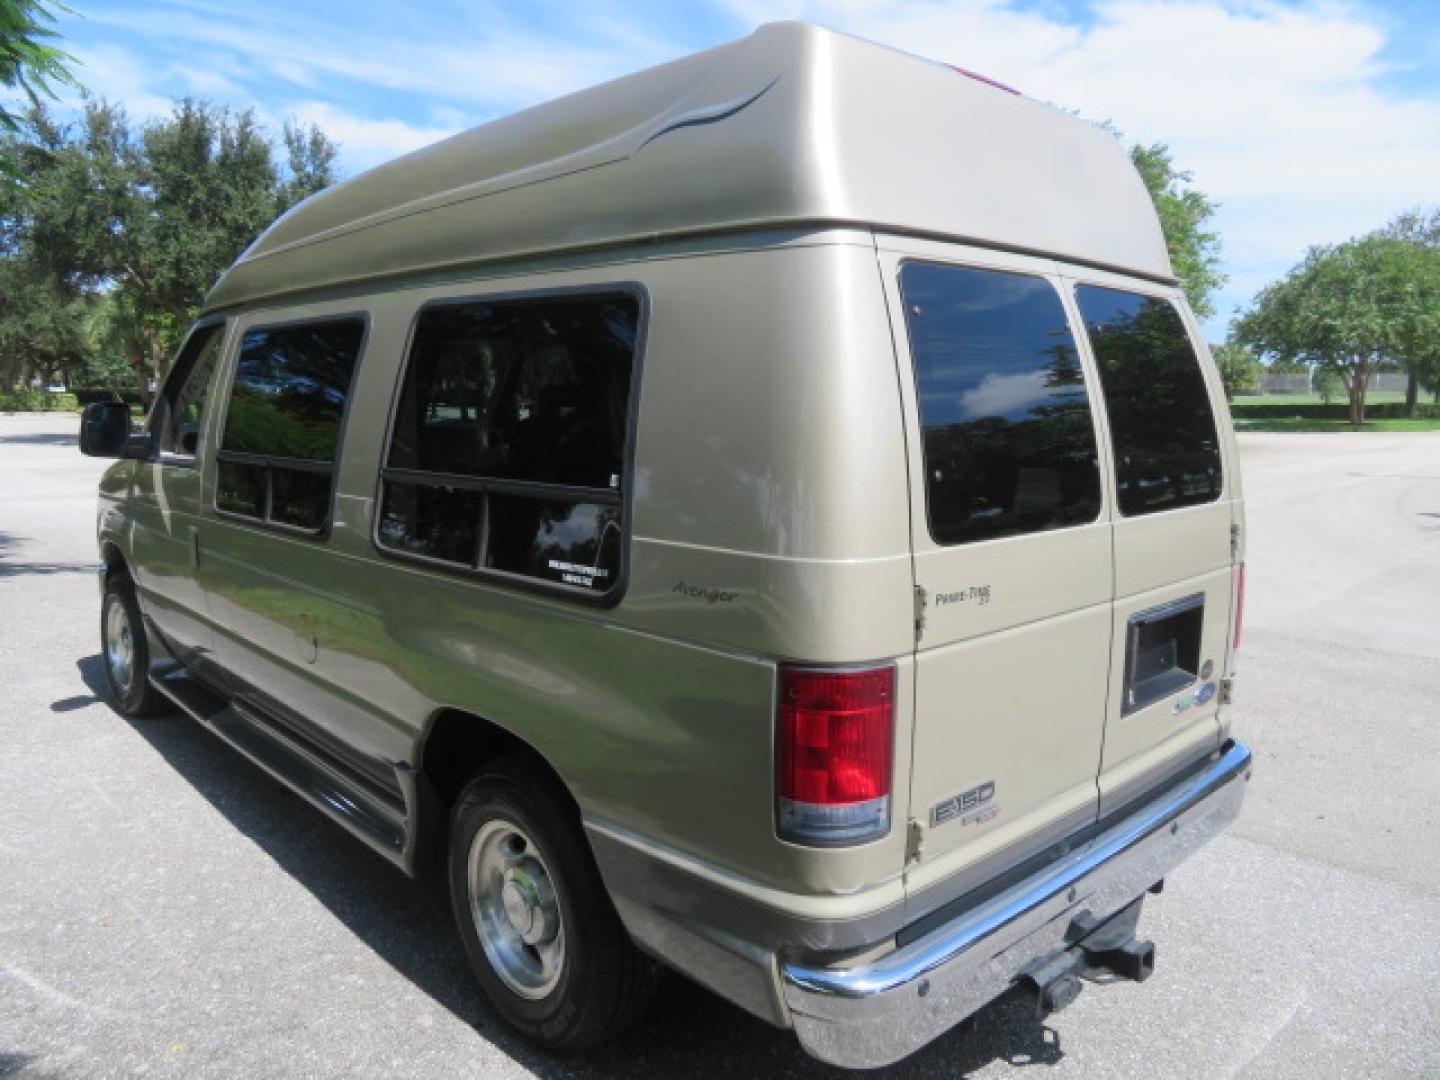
(770, 487)
(769, 418)
(769, 481)
(1012, 663)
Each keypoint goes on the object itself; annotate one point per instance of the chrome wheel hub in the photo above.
(119, 646)
(515, 910)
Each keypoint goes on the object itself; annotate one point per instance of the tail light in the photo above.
(836, 745)
(1239, 606)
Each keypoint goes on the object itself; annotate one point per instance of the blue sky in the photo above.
(1309, 122)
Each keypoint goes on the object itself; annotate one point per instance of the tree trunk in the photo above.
(135, 357)
(1357, 378)
(1412, 393)
(159, 360)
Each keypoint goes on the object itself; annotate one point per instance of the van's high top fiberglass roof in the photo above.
(794, 125)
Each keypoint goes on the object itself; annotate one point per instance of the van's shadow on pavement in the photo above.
(42, 439)
(688, 1032)
(14, 569)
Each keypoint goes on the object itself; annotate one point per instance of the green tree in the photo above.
(1184, 214)
(1350, 307)
(150, 220)
(1420, 227)
(1239, 369)
(1327, 384)
(1280, 366)
(29, 63)
(41, 326)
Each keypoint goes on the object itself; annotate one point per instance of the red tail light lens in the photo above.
(836, 733)
(1239, 606)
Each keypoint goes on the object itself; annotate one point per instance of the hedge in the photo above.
(1339, 410)
(38, 401)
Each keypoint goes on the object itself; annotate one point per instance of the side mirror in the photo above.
(105, 431)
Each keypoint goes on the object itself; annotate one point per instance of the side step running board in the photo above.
(365, 813)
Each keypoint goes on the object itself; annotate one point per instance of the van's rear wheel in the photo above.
(539, 930)
(125, 651)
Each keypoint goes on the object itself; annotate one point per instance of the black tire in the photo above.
(125, 652)
(602, 981)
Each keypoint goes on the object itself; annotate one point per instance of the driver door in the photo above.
(166, 500)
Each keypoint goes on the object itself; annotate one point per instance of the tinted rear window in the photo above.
(1009, 442)
(1167, 451)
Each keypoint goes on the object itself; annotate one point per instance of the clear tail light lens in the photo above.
(835, 754)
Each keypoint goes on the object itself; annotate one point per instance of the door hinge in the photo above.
(1234, 539)
(919, 611)
(914, 840)
(1227, 691)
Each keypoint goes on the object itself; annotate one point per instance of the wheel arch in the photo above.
(113, 560)
(456, 744)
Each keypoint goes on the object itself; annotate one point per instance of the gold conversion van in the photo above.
(774, 515)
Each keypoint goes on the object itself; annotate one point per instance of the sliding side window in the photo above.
(282, 427)
(507, 450)
(1008, 437)
(1167, 452)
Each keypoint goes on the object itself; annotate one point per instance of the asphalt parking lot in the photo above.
(168, 911)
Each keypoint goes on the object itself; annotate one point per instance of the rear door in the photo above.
(1174, 548)
(1013, 558)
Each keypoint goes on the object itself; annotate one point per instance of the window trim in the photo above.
(271, 461)
(624, 499)
(1174, 297)
(155, 454)
(1090, 376)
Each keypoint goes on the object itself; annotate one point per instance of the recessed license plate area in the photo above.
(1162, 651)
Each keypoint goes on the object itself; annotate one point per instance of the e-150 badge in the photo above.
(971, 807)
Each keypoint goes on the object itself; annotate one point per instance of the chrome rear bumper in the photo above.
(877, 1013)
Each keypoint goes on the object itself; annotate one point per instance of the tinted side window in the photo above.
(508, 444)
(181, 414)
(1167, 451)
(1008, 438)
(282, 426)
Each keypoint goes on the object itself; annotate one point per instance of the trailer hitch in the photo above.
(1098, 950)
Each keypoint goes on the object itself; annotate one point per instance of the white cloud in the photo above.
(111, 73)
(489, 63)
(366, 142)
(1001, 395)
